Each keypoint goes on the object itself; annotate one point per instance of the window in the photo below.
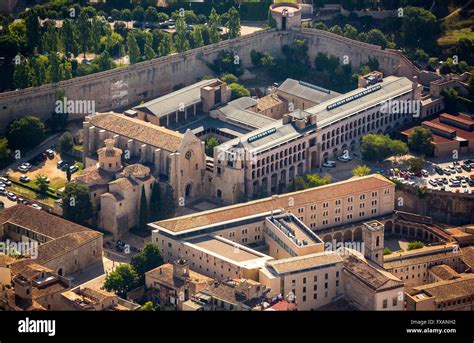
(394, 301)
(384, 305)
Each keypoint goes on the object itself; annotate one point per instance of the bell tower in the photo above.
(372, 235)
(110, 157)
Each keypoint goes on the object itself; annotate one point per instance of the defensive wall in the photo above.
(122, 87)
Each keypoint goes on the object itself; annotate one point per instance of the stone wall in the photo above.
(444, 207)
(121, 88)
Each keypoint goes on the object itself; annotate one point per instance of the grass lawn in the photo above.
(453, 36)
(30, 194)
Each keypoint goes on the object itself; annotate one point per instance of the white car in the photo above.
(329, 164)
(24, 179)
(424, 172)
(36, 206)
(343, 158)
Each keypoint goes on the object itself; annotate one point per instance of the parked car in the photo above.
(50, 153)
(60, 164)
(36, 206)
(343, 158)
(73, 168)
(433, 183)
(447, 171)
(329, 164)
(11, 196)
(458, 169)
(2, 204)
(5, 181)
(3, 191)
(466, 167)
(424, 172)
(439, 170)
(24, 179)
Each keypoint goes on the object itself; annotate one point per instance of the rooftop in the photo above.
(302, 263)
(447, 290)
(171, 102)
(139, 130)
(227, 249)
(444, 272)
(164, 274)
(307, 91)
(354, 101)
(233, 212)
(375, 278)
(40, 221)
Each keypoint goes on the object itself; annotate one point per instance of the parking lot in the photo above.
(453, 176)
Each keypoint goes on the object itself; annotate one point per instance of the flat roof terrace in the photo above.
(228, 250)
(296, 231)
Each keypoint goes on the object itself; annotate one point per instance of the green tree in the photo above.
(51, 40)
(69, 37)
(32, 29)
(229, 78)
(420, 140)
(271, 21)
(60, 116)
(84, 29)
(121, 280)
(53, 73)
(398, 148)
(148, 306)
(66, 142)
(180, 39)
(147, 259)
(416, 164)
(133, 48)
(26, 132)
(415, 245)
(155, 200)
(23, 76)
(238, 91)
(375, 147)
(138, 13)
(77, 205)
(375, 36)
(336, 29)
(198, 41)
(143, 216)
(211, 143)
(451, 99)
(214, 22)
(234, 23)
(167, 204)
(98, 28)
(126, 14)
(41, 183)
(165, 46)
(151, 14)
(350, 31)
(315, 180)
(361, 170)
(4, 151)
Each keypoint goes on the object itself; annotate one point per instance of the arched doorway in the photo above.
(358, 235)
(347, 237)
(189, 190)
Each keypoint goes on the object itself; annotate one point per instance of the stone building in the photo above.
(115, 190)
(171, 157)
(58, 244)
(175, 283)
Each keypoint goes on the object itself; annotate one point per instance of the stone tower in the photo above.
(372, 235)
(110, 157)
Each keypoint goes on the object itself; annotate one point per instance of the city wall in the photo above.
(444, 207)
(122, 87)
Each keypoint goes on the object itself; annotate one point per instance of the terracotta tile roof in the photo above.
(139, 130)
(40, 221)
(94, 175)
(463, 119)
(444, 272)
(268, 101)
(368, 274)
(447, 290)
(468, 256)
(300, 198)
(164, 274)
(64, 244)
(124, 183)
(300, 263)
(136, 170)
